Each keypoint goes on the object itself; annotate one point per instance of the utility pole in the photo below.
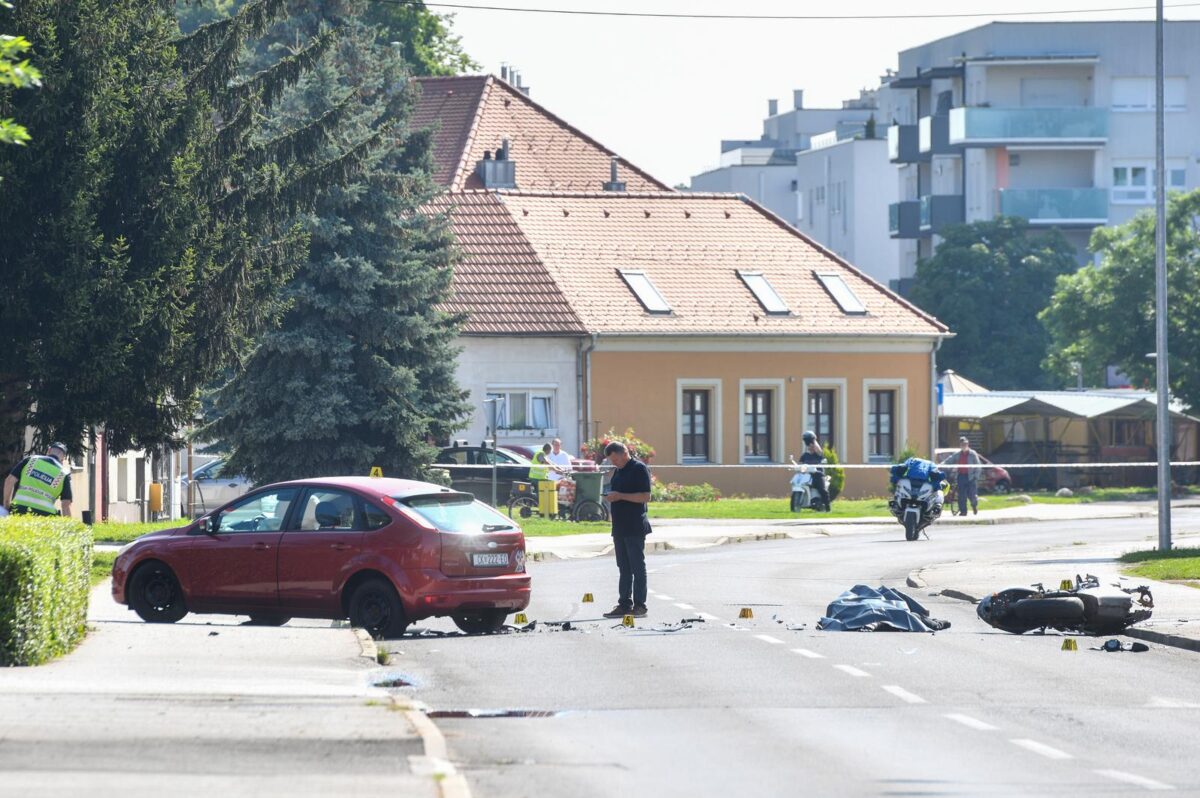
(1162, 360)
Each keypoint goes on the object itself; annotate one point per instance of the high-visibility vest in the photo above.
(40, 485)
(539, 471)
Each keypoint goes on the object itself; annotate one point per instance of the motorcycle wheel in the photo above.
(910, 528)
(1055, 612)
(795, 504)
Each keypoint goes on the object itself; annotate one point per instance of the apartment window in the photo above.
(845, 297)
(645, 291)
(881, 425)
(820, 416)
(756, 425)
(694, 423)
(764, 292)
(520, 409)
(1133, 182)
(1137, 94)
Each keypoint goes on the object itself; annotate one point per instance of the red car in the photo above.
(381, 552)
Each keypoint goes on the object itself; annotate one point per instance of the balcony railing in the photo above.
(1052, 126)
(939, 211)
(902, 144)
(1064, 206)
(904, 218)
(934, 136)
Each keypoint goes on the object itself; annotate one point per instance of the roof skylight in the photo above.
(645, 291)
(765, 293)
(842, 293)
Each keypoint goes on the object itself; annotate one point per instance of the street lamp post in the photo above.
(492, 428)
(1163, 411)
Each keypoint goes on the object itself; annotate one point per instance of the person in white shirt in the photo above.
(559, 459)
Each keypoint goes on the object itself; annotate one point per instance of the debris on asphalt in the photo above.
(213, 634)
(791, 627)
(1114, 645)
(882, 609)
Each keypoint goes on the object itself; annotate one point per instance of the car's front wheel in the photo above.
(374, 606)
(479, 622)
(1002, 486)
(155, 594)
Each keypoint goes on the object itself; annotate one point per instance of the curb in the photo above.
(436, 762)
(914, 579)
(667, 545)
(366, 644)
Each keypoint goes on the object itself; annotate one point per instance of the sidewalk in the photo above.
(687, 533)
(1176, 619)
(205, 706)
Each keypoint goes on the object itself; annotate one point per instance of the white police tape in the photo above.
(789, 466)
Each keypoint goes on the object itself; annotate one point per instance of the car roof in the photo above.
(376, 486)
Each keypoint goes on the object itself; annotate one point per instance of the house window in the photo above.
(765, 293)
(645, 291)
(881, 425)
(756, 425)
(524, 409)
(1133, 182)
(845, 297)
(1137, 94)
(820, 416)
(694, 425)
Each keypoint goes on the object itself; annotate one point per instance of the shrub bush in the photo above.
(45, 568)
(593, 448)
(837, 476)
(674, 492)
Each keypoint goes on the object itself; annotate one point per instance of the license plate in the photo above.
(489, 560)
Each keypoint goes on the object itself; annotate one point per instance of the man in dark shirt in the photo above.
(628, 495)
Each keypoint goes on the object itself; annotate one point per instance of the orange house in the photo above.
(711, 327)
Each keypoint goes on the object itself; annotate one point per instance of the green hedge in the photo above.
(45, 568)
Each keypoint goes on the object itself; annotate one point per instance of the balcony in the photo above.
(1054, 127)
(1065, 207)
(934, 136)
(902, 144)
(904, 218)
(939, 211)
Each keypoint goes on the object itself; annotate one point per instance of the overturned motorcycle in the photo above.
(1087, 608)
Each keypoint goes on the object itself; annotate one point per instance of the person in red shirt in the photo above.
(967, 470)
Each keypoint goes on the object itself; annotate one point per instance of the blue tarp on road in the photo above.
(882, 609)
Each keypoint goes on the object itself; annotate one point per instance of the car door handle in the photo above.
(339, 546)
(261, 546)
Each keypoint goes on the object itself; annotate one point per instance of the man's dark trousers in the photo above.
(966, 489)
(631, 562)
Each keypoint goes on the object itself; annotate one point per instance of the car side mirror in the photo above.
(209, 525)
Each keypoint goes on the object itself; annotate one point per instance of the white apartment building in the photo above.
(1049, 121)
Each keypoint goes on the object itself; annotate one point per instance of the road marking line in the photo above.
(707, 617)
(903, 694)
(1041, 748)
(804, 652)
(853, 671)
(970, 722)
(664, 597)
(683, 606)
(769, 639)
(1131, 778)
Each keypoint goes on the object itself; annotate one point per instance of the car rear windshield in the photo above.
(458, 512)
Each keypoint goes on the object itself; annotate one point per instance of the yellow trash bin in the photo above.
(547, 498)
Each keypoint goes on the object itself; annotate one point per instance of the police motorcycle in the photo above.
(918, 499)
(1085, 608)
(805, 495)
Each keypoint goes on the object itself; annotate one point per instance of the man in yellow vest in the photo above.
(37, 482)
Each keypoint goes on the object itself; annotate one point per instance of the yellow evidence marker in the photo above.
(746, 613)
(376, 471)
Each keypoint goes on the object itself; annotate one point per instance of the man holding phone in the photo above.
(628, 495)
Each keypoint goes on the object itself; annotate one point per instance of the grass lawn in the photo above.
(1176, 564)
(102, 562)
(123, 532)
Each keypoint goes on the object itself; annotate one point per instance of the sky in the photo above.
(663, 93)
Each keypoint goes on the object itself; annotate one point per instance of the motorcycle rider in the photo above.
(919, 469)
(813, 454)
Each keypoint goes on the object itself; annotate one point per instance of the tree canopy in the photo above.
(989, 281)
(426, 40)
(1105, 316)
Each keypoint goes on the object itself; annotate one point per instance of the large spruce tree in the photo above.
(360, 371)
(147, 228)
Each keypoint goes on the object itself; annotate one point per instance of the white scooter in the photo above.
(805, 495)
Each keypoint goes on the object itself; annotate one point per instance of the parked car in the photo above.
(381, 552)
(211, 488)
(510, 467)
(992, 478)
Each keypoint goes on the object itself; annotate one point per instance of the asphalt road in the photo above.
(733, 707)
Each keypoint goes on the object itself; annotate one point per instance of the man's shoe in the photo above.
(639, 611)
(619, 611)
(975, 510)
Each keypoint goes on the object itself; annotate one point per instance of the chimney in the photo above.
(613, 184)
(499, 172)
(772, 107)
(798, 99)
(504, 72)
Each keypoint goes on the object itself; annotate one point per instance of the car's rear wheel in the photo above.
(155, 594)
(1002, 486)
(268, 620)
(374, 606)
(479, 622)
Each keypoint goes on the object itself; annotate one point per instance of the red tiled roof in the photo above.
(501, 284)
(691, 246)
(474, 114)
